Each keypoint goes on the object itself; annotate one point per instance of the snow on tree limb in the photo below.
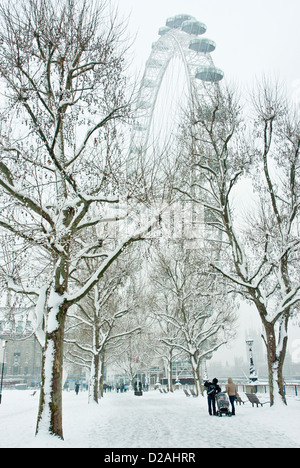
(75, 297)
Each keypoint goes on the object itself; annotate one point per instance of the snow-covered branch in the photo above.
(75, 297)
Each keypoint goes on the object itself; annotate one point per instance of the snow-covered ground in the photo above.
(154, 420)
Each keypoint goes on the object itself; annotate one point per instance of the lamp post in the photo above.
(253, 376)
(2, 369)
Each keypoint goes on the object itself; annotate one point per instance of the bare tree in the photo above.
(99, 315)
(199, 315)
(167, 352)
(134, 357)
(62, 76)
(260, 254)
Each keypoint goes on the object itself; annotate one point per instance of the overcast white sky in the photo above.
(252, 37)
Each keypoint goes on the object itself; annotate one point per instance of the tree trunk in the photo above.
(50, 406)
(101, 374)
(168, 367)
(197, 376)
(170, 377)
(275, 352)
(275, 364)
(94, 379)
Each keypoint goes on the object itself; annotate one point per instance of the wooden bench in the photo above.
(239, 400)
(193, 393)
(186, 392)
(252, 397)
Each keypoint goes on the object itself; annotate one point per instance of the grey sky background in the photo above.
(254, 38)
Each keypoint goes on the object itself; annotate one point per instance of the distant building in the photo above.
(23, 356)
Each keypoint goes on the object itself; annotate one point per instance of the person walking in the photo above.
(212, 390)
(231, 390)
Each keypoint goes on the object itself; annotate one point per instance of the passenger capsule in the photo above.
(203, 45)
(210, 74)
(193, 27)
(176, 21)
(164, 30)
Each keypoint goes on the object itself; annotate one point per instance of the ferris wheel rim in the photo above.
(182, 45)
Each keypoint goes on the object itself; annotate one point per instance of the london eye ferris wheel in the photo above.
(179, 68)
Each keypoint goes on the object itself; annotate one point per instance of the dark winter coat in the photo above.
(212, 388)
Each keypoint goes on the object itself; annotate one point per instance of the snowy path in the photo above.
(154, 420)
(174, 421)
